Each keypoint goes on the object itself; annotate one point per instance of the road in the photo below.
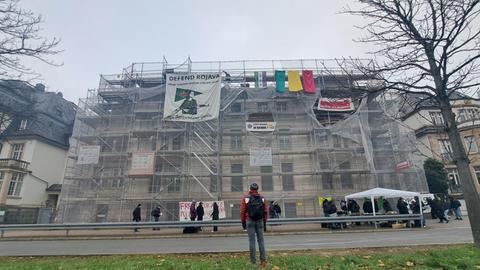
(439, 235)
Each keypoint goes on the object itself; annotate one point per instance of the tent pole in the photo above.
(421, 210)
(373, 209)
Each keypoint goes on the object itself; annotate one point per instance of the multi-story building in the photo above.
(36, 126)
(422, 116)
(123, 152)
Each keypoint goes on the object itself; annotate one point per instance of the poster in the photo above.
(142, 163)
(335, 104)
(88, 154)
(260, 156)
(192, 97)
(184, 210)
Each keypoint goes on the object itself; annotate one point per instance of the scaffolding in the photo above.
(313, 153)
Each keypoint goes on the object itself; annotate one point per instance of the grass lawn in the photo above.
(434, 257)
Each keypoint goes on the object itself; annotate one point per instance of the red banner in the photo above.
(403, 165)
(335, 104)
(308, 82)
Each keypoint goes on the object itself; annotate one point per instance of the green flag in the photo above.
(280, 81)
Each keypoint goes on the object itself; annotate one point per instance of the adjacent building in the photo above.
(34, 139)
(123, 152)
(422, 116)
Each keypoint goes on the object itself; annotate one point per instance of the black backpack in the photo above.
(255, 207)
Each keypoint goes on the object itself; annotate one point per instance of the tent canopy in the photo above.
(382, 192)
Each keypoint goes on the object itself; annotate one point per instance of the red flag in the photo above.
(308, 82)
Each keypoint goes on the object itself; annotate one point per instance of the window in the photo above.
(324, 164)
(1, 180)
(327, 181)
(477, 173)
(262, 107)
(284, 142)
(346, 180)
(281, 106)
(445, 149)
(17, 151)
(287, 179)
(437, 118)
(290, 210)
(344, 165)
(453, 180)
(15, 184)
(173, 184)
(471, 145)
(236, 107)
(213, 183)
(1, 146)
(467, 114)
(237, 181)
(236, 142)
(23, 124)
(267, 180)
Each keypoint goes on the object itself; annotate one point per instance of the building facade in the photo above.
(33, 149)
(303, 154)
(432, 140)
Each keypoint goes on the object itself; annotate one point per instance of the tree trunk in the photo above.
(467, 181)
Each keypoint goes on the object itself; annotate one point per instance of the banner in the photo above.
(260, 126)
(335, 104)
(403, 165)
(294, 82)
(308, 82)
(88, 154)
(142, 163)
(280, 81)
(260, 79)
(260, 156)
(184, 210)
(192, 97)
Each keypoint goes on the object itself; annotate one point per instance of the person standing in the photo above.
(156, 213)
(455, 204)
(215, 215)
(200, 213)
(277, 210)
(137, 215)
(193, 211)
(254, 214)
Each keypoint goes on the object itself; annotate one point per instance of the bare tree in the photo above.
(430, 47)
(20, 38)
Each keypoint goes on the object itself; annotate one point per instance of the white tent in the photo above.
(386, 193)
(382, 192)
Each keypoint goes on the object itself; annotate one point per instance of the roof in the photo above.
(54, 188)
(382, 192)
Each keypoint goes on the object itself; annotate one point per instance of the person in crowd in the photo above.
(215, 215)
(353, 207)
(415, 207)
(277, 209)
(137, 215)
(455, 204)
(343, 206)
(367, 206)
(402, 206)
(446, 208)
(156, 213)
(433, 207)
(200, 213)
(193, 211)
(271, 210)
(254, 214)
(440, 210)
(387, 206)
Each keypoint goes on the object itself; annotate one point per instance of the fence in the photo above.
(180, 224)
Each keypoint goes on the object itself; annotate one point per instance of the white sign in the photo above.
(192, 97)
(88, 154)
(260, 126)
(184, 210)
(260, 156)
(142, 163)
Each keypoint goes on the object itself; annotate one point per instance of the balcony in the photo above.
(15, 164)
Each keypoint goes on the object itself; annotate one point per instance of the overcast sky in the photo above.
(104, 36)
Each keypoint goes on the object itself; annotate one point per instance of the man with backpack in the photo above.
(156, 213)
(254, 214)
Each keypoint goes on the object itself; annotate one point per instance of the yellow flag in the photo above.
(294, 82)
(320, 201)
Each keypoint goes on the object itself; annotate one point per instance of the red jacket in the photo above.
(243, 207)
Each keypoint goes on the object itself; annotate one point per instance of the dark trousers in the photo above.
(156, 219)
(255, 228)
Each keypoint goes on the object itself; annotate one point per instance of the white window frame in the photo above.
(454, 173)
(284, 141)
(23, 124)
(281, 106)
(236, 142)
(17, 151)
(437, 118)
(445, 149)
(470, 144)
(15, 186)
(262, 106)
(477, 172)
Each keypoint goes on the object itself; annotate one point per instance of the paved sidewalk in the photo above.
(207, 231)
